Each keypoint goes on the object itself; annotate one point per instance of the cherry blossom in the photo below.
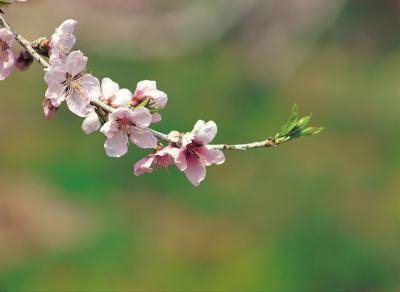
(112, 95)
(6, 54)
(147, 89)
(195, 155)
(62, 41)
(163, 158)
(126, 124)
(69, 82)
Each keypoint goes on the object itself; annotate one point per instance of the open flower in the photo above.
(69, 82)
(195, 155)
(125, 124)
(6, 54)
(163, 158)
(147, 89)
(113, 96)
(62, 41)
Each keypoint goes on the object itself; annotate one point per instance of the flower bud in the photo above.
(49, 109)
(23, 61)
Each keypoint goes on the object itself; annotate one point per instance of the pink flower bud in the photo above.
(23, 61)
(49, 109)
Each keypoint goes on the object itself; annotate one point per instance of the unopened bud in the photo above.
(23, 61)
(49, 109)
(42, 46)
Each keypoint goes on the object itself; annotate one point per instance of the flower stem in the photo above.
(106, 108)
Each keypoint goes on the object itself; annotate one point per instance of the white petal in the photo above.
(109, 88)
(122, 97)
(117, 146)
(143, 138)
(91, 123)
(77, 103)
(76, 63)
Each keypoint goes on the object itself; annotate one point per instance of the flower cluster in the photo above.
(122, 115)
(128, 115)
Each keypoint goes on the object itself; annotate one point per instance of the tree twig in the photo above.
(270, 142)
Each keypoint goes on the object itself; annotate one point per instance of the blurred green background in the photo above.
(321, 213)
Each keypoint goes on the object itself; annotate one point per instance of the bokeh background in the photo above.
(320, 213)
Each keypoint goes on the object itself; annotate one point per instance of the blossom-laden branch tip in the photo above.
(124, 116)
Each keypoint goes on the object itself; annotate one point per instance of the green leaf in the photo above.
(291, 122)
(303, 122)
(5, 2)
(311, 131)
(144, 103)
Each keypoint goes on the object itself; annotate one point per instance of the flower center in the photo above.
(124, 125)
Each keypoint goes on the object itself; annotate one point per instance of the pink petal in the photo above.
(155, 118)
(77, 103)
(55, 75)
(122, 97)
(90, 87)
(55, 93)
(213, 156)
(144, 165)
(7, 36)
(91, 123)
(180, 160)
(204, 132)
(76, 63)
(143, 138)
(146, 85)
(109, 88)
(195, 171)
(117, 146)
(110, 129)
(159, 98)
(142, 117)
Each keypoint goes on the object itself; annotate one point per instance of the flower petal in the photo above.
(195, 171)
(143, 138)
(141, 117)
(213, 156)
(146, 85)
(122, 97)
(155, 118)
(76, 63)
(77, 103)
(91, 123)
(180, 160)
(110, 129)
(117, 146)
(144, 165)
(109, 88)
(90, 87)
(204, 132)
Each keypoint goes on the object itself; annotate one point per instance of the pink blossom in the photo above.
(49, 109)
(125, 124)
(113, 96)
(6, 53)
(62, 41)
(69, 82)
(147, 89)
(195, 155)
(160, 159)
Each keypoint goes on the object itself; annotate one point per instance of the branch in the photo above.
(294, 128)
